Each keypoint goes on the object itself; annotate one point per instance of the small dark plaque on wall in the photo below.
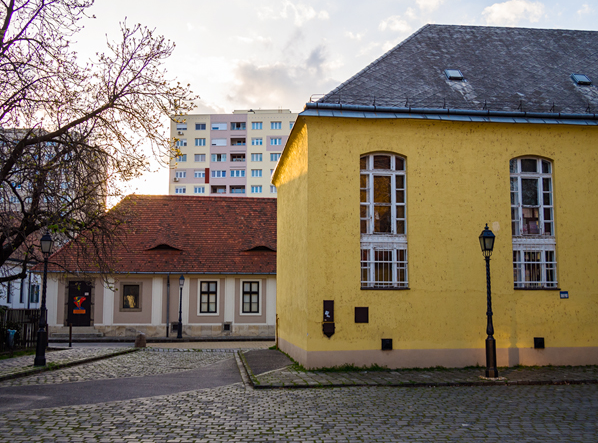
(538, 342)
(328, 310)
(362, 315)
(387, 344)
(328, 329)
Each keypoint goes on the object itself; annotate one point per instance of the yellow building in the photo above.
(386, 183)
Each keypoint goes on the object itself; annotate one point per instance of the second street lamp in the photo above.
(181, 283)
(40, 350)
(487, 244)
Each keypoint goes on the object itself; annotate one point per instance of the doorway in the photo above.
(79, 303)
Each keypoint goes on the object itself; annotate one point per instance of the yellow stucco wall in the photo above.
(457, 180)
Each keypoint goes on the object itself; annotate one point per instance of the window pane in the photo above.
(246, 287)
(363, 196)
(400, 211)
(529, 189)
(204, 307)
(363, 163)
(245, 298)
(382, 219)
(547, 214)
(530, 221)
(246, 307)
(545, 167)
(363, 181)
(400, 181)
(381, 189)
(364, 227)
(381, 162)
(254, 299)
(399, 164)
(513, 165)
(400, 226)
(212, 307)
(400, 196)
(529, 165)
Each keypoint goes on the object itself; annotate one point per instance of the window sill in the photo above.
(368, 288)
(537, 289)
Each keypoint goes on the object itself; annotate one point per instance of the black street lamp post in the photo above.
(487, 244)
(181, 283)
(40, 351)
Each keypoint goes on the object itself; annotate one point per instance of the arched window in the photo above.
(383, 221)
(532, 223)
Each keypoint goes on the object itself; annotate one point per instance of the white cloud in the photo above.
(357, 36)
(429, 5)
(411, 14)
(585, 9)
(265, 41)
(512, 12)
(395, 23)
(299, 12)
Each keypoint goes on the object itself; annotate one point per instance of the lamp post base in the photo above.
(180, 331)
(40, 349)
(491, 370)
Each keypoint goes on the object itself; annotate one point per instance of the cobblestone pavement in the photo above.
(137, 364)
(292, 377)
(17, 365)
(385, 414)
(215, 345)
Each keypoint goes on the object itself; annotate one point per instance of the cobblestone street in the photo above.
(237, 412)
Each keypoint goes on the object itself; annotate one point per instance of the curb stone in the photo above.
(54, 366)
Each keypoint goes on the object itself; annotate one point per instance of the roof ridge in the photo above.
(382, 57)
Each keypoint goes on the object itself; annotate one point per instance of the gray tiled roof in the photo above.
(506, 69)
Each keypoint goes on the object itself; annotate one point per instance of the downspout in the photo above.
(167, 303)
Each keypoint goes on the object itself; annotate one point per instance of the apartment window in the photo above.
(256, 172)
(275, 125)
(237, 126)
(237, 157)
(251, 297)
(274, 156)
(256, 157)
(181, 158)
(291, 124)
(256, 189)
(181, 143)
(218, 126)
(131, 297)
(237, 142)
(200, 157)
(383, 222)
(180, 190)
(200, 142)
(208, 297)
(200, 126)
(181, 126)
(271, 172)
(237, 172)
(273, 189)
(34, 294)
(199, 190)
(218, 157)
(532, 224)
(237, 189)
(218, 142)
(256, 125)
(199, 174)
(218, 189)
(275, 141)
(180, 174)
(218, 174)
(256, 141)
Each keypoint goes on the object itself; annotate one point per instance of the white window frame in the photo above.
(181, 158)
(275, 125)
(181, 143)
(256, 172)
(180, 174)
(256, 189)
(218, 142)
(218, 157)
(219, 173)
(181, 126)
(200, 126)
(260, 300)
(200, 157)
(384, 254)
(276, 141)
(256, 157)
(534, 253)
(199, 174)
(199, 189)
(274, 156)
(237, 172)
(273, 189)
(180, 190)
(256, 126)
(242, 127)
(257, 141)
(218, 126)
(199, 299)
(200, 142)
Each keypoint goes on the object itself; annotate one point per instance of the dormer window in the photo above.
(581, 79)
(454, 74)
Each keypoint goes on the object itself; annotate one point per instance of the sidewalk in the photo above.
(282, 373)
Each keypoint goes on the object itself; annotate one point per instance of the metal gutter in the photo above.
(363, 111)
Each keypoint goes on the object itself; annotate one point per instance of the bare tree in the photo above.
(72, 133)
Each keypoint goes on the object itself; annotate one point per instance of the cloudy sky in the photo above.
(240, 54)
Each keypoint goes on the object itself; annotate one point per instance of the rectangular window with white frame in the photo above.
(199, 190)
(256, 189)
(218, 174)
(383, 222)
(219, 126)
(273, 189)
(181, 158)
(200, 126)
(180, 190)
(200, 142)
(275, 125)
(274, 156)
(257, 141)
(250, 297)
(532, 223)
(208, 297)
(275, 141)
(256, 125)
(256, 157)
(199, 174)
(200, 157)
(181, 143)
(181, 126)
(256, 172)
(237, 126)
(218, 157)
(180, 174)
(237, 172)
(218, 142)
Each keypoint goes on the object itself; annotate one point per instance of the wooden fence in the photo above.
(25, 322)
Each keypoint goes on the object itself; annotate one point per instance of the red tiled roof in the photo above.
(180, 234)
